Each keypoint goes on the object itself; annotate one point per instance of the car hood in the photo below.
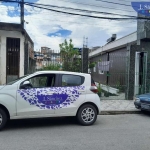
(144, 97)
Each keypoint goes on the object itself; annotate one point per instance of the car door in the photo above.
(73, 91)
(35, 95)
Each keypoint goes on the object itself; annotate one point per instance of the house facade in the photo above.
(122, 66)
(16, 52)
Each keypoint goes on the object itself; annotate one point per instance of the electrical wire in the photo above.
(82, 10)
(14, 10)
(98, 17)
(87, 4)
(79, 14)
(27, 3)
(114, 3)
(88, 24)
(132, 1)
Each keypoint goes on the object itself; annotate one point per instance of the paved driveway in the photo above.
(115, 132)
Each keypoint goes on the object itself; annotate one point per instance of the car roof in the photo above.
(61, 72)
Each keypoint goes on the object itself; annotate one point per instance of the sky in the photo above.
(47, 28)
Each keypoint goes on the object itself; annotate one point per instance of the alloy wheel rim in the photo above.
(1, 119)
(88, 115)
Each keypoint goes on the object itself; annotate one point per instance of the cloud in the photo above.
(60, 33)
(48, 28)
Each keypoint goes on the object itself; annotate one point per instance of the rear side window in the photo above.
(72, 80)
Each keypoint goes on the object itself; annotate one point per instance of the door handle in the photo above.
(81, 90)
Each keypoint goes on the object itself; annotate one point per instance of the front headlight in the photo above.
(137, 99)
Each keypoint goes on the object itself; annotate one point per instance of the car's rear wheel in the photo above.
(87, 115)
(3, 118)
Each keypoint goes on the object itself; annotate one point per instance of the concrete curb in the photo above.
(112, 112)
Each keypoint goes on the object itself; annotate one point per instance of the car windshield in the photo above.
(14, 81)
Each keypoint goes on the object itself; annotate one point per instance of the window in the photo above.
(41, 81)
(101, 72)
(72, 80)
(38, 81)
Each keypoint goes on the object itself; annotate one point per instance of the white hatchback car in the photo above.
(50, 94)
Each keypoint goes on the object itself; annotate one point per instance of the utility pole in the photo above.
(86, 42)
(84, 56)
(82, 53)
(83, 41)
(22, 14)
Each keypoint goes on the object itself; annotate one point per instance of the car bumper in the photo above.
(137, 105)
(145, 105)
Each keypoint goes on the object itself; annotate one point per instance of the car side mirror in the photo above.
(25, 85)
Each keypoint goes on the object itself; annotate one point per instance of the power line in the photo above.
(78, 22)
(113, 3)
(12, 1)
(79, 3)
(79, 14)
(132, 1)
(87, 4)
(57, 13)
(110, 18)
(89, 11)
(82, 10)
(12, 10)
(116, 3)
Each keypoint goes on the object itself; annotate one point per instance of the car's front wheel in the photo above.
(3, 118)
(87, 115)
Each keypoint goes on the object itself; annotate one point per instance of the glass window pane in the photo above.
(38, 81)
(71, 80)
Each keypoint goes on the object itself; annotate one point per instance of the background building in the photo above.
(122, 66)
(39, 59)
(46, 57)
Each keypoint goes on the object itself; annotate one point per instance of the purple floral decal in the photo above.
(51, 98)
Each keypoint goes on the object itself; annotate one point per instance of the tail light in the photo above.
(94, 88)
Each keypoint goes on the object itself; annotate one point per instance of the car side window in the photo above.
(40, 81)
(72, 80)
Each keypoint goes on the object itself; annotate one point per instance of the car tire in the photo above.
(3, 119)
(87, 115)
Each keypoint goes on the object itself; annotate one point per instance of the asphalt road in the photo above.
(113, 132)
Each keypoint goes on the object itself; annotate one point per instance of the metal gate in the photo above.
(115, 78)
(141, 73)
(110, 73)
(12, 59)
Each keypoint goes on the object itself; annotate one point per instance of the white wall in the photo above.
(4, 35)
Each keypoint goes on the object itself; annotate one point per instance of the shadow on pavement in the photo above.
(39, 123)
(147, 113)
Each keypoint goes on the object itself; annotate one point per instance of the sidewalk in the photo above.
(109, 107)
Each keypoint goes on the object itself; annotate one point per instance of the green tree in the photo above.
(70, 57)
